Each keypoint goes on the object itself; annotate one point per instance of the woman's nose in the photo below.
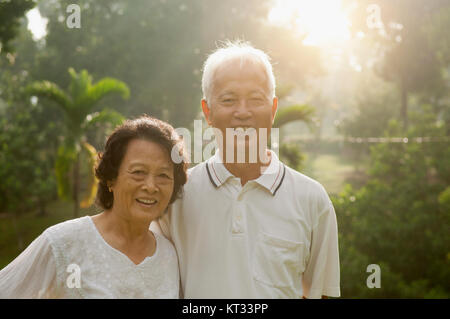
(150, 184)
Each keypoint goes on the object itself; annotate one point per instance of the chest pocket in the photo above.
(278, 262)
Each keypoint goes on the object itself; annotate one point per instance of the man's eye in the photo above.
(165, 176)
(138, 172)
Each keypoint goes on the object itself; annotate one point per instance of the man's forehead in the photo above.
(240, 64)
(237, 70)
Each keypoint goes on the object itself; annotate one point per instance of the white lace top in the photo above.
(72, 260)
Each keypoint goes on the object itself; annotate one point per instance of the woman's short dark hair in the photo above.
(146, 128)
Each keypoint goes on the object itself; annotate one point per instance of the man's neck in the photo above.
(247, 171)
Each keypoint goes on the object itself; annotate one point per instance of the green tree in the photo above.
(78, 105)
(158, 48)
(407, 55)
(26, 162)
(10, 14)
(400, 218)
(290, 152)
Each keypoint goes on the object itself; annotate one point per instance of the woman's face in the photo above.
(145, 181)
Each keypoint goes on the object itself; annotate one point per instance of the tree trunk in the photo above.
(76, 183)
(404, 107)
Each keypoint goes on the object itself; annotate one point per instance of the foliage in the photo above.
(408, 54)
(290, 152)
(77, 106)
(292, 113)
(25, 160)
(291, 155)
(400, 219)
(10, 14)
(158, 48)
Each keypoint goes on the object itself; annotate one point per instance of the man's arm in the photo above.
(322, 274)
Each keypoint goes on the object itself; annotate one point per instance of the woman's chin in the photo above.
(148, 214)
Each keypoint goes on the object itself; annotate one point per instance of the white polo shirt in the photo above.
(274, 237)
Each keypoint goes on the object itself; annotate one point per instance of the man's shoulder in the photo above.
(197, 173)
(302, 180)
(309, 192)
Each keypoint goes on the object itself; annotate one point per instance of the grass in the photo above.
(332, 170)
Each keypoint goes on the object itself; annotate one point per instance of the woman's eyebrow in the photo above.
(140, 164)
(134, 164)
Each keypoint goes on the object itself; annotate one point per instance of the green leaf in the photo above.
(80, 84)
(293, 113)
(105, 116)
(51, 91)
(101, 89)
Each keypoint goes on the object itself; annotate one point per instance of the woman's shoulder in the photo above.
(72, 228)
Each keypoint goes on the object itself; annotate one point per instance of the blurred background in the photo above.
(364, 109)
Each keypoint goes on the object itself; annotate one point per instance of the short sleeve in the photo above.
(322, 274)
(32, 274)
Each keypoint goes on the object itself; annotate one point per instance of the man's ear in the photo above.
(274, 108)
(206, 111)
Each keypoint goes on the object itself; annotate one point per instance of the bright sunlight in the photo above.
(324, 21)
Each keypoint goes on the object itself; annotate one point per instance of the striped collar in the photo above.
(271, 179)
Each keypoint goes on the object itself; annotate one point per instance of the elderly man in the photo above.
(249, 226)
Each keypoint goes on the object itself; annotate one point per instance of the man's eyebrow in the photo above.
(226, 93)
(259, 91)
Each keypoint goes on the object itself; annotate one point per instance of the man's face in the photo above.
(240, 99)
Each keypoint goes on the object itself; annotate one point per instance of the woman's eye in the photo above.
(165, 176)
(138, 172)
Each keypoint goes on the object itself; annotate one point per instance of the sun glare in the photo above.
(323, 21)
(36, 24)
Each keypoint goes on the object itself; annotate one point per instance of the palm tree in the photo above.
(293, 113)
(290, 152)
(77, 105)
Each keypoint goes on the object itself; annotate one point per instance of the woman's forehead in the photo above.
(146, 152)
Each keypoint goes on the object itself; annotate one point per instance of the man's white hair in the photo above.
(231, 50)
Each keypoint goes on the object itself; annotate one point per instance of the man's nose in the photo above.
(242, 111)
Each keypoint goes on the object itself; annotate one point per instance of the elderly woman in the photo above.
(113, 254)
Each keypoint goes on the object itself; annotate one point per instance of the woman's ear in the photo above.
(110, 185)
